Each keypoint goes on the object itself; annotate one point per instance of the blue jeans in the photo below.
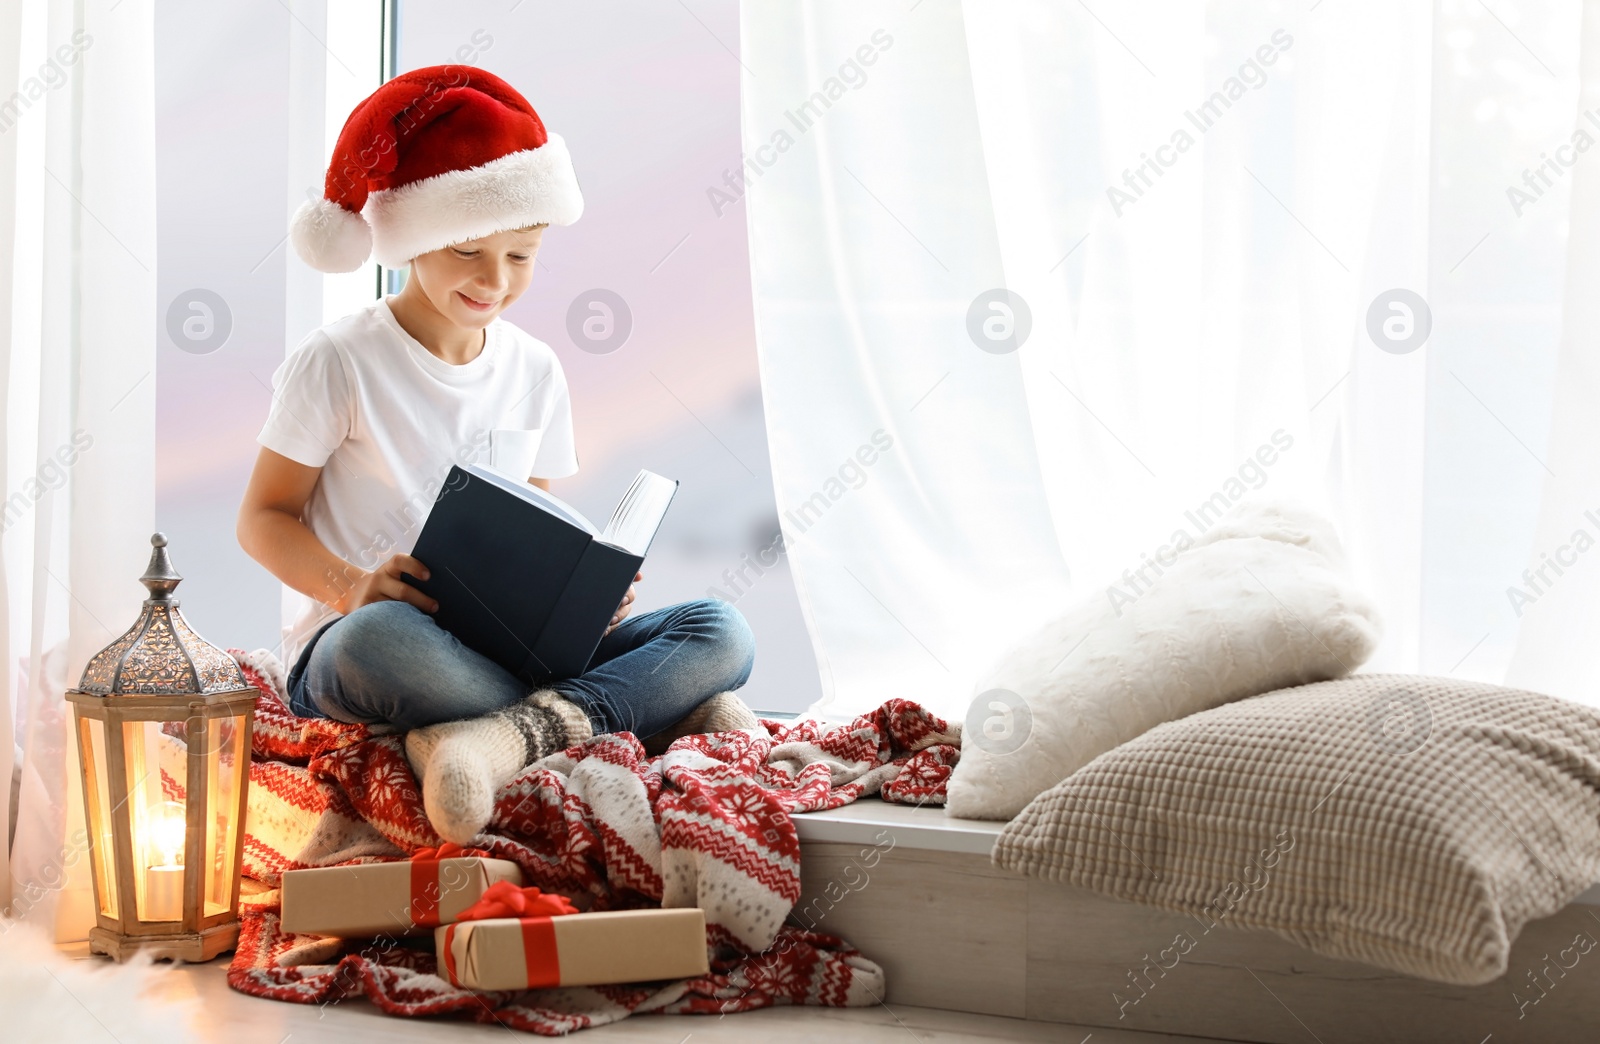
(388, 663)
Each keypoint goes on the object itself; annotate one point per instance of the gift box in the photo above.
(399, 898)
(555, 947)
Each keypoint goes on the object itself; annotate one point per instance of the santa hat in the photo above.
(433, 157)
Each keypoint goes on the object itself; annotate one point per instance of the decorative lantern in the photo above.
(163, 721)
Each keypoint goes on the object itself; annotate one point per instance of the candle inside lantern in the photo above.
(163, 876)
(163, 893)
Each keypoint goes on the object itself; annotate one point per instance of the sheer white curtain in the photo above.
(1205, 212)
(77, 368)
(1556, 649)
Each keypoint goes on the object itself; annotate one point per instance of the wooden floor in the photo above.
(221, 1014)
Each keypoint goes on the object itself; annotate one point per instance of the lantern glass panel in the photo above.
(96, 782)
(157, 762)
(225, 769)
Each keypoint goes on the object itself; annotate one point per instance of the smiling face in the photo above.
(472, 282)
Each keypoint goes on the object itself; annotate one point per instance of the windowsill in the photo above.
(924, 827)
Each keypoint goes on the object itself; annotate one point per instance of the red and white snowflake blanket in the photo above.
(705, 824)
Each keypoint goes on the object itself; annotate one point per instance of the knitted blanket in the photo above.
(705, 824)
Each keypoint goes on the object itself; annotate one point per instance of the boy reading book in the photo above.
(458, 179)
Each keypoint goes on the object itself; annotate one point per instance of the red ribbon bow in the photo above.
(450, 850)
(504, 899)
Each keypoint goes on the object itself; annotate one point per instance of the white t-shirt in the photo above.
(384, 418)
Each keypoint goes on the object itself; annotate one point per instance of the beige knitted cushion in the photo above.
(1409, 822)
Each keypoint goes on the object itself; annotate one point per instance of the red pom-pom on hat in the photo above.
(433, 157)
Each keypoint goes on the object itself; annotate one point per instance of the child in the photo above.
(459, 179)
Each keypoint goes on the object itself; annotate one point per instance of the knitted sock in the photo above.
(723, 712)
(463, 764)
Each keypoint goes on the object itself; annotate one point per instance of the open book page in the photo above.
(638, 515)
(536, 496)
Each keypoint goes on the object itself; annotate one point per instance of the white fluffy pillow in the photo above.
(1260, 602)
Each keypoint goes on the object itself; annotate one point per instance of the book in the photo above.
(523, 577)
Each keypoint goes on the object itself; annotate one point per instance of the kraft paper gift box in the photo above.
(399, 898)
(579, 949)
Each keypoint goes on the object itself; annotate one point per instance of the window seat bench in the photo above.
(915, 891)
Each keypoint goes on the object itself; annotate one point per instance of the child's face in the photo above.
(472, 282)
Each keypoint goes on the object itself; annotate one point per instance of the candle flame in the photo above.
(167, 829)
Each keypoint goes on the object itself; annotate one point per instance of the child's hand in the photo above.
(384, 583)
(622, 610)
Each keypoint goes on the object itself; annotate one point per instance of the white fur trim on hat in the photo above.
(330, 238)
(530, 187)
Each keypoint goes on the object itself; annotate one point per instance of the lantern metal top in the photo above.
(161, 655)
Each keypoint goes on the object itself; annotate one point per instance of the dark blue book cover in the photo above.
(522, 577)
